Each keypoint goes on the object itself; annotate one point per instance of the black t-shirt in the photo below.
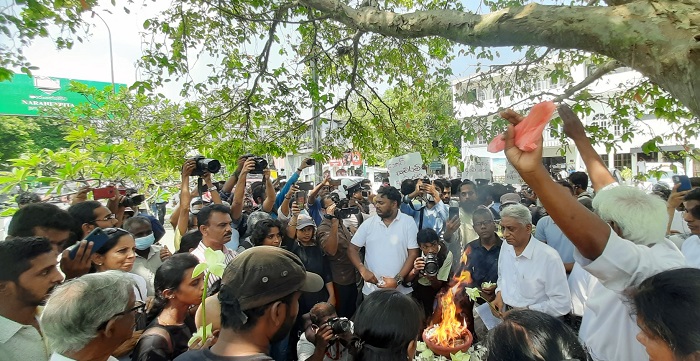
(207, 355)
(314, 261)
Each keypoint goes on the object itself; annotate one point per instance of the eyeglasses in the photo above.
(139, 307)
(105, 219)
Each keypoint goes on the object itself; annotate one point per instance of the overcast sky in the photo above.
(90, 60)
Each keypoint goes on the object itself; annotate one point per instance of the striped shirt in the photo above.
(199, 253)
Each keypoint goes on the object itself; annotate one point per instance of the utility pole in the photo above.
(111, 58)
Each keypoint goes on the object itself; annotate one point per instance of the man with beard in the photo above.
(28, 274)
(390, 244)
(215, 224)
(460, 231)
(259, 303)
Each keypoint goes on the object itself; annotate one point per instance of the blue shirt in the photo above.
(547, 231)
(482, 263)
(434, 218)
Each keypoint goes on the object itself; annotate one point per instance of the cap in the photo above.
(128, 210)
(510, 198)
(197, 200)
(305, 221)
(265, 274)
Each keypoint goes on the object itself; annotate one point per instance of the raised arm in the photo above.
(597, 170)
(269, 202)
(564, 209)
(184, 217)
(239, 192)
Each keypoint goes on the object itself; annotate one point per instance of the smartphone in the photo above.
(299, 195)
(310, 162)
(98, 238)
(305, 186)
(104, 193)
(454, 212)
(335, 182)
(684, 182)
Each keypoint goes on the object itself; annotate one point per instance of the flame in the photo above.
(452, 327)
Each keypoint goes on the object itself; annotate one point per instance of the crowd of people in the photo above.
(341, 272)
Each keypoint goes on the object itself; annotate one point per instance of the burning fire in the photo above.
(452, 328)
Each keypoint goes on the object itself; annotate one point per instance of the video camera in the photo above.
(342, 211)
(204, 165)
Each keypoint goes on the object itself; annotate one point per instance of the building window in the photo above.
(623, 160)
(481, 94)
(617, 129)
(590, 69)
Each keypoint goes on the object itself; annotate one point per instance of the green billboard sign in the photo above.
(25, 95)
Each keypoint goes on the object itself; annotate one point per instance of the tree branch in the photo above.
(602, 70)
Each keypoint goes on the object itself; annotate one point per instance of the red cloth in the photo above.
(529, 131)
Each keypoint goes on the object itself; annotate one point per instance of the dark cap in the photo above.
(265, 274)
(353, 188)
(510, 198)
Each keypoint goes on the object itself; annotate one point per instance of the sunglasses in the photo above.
(139, 307)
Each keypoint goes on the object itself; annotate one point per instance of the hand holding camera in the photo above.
(427, 266)
(324, 335)
(188, 168)
(308, 162)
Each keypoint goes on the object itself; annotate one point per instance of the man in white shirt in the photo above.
(390, 244)
(215, 224)
(530, 273)
(621, 246)
(28, 274)
(89, 317)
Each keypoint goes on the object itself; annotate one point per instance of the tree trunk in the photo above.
(661, 39)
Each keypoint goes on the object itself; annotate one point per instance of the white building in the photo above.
(628, 153)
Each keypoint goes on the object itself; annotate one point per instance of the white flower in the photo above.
(213, 262)
(199, 335)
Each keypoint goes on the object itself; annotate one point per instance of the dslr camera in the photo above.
(204, 165)
(131, 199)
(340, 325)
(260, 165)
(431, 265)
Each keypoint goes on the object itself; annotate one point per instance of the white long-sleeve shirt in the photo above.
(608, 329)
(535, 279)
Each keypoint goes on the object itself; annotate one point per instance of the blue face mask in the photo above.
(145, 242)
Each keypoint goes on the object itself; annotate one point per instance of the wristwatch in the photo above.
(399, 279)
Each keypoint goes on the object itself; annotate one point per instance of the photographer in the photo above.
(308, 162)
(263, 192)
(423, 202)
(432, 269)
(184, 216)
(335, 240)
(324, 339)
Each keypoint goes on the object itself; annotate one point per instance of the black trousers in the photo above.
(346, 298)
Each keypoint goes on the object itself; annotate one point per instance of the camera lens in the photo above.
(431, 265)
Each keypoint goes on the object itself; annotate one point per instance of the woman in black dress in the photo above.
(172, 327)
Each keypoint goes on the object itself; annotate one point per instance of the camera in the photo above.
(345, 213)
(204, 165)
(131, 199)
(260, 165)
(431, 265)
(340, 325)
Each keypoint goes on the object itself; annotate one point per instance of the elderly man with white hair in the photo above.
(88, 318)
(530, 273)
(621, 246)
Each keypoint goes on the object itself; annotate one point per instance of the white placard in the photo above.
(478, 168)
(512, 175)
(407, 166)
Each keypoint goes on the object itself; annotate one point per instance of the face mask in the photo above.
(145, 242)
